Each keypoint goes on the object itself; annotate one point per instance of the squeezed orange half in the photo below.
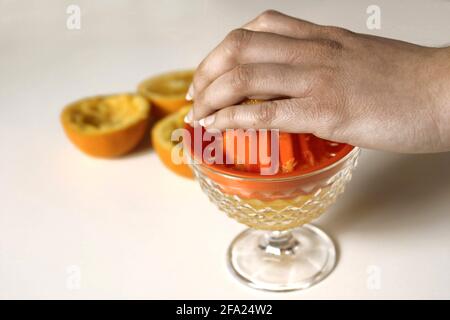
(106, 126)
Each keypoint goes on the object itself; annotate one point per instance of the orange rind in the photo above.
(106, 126)
(163, 144)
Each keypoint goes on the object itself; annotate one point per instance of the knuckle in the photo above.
(241, 76)
(237, 39)
(336, 32)
(332, 44)
(266, 113)
(231, 115)
(327, 47)
(266, 17)
(318, 49)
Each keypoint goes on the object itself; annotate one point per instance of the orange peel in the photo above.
(106, 126)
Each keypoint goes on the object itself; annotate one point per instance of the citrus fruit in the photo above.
(298, 153)
(167, 91)
(286, 142)
(163, 145)
(106, 126)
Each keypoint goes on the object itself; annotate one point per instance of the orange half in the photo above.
(163, 145)
(167, 91)
(106, 126)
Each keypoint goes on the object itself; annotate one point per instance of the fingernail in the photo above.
(209, 120)
(190, 93)
(189, 116)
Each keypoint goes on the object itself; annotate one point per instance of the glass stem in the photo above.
(279, 243)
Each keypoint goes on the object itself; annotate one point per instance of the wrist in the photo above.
(438, 85)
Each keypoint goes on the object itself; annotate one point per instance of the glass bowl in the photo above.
(280, 251)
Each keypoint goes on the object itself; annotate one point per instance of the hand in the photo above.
(359, 89)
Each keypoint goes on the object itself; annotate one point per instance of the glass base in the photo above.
(282, 260)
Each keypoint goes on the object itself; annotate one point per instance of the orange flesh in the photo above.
(298, 154)
(167, 91)
(287, 158)
(106, 126)
(306, 154)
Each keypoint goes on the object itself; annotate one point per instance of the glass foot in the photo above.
(282, 260)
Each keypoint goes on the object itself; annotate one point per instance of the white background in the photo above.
(133, 229)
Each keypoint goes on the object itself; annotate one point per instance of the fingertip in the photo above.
(208, 121)
(190, 93)
(189, 117)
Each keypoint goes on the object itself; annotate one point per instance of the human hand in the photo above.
(359, 89)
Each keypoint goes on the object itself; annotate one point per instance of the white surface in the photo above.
(132, 228)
